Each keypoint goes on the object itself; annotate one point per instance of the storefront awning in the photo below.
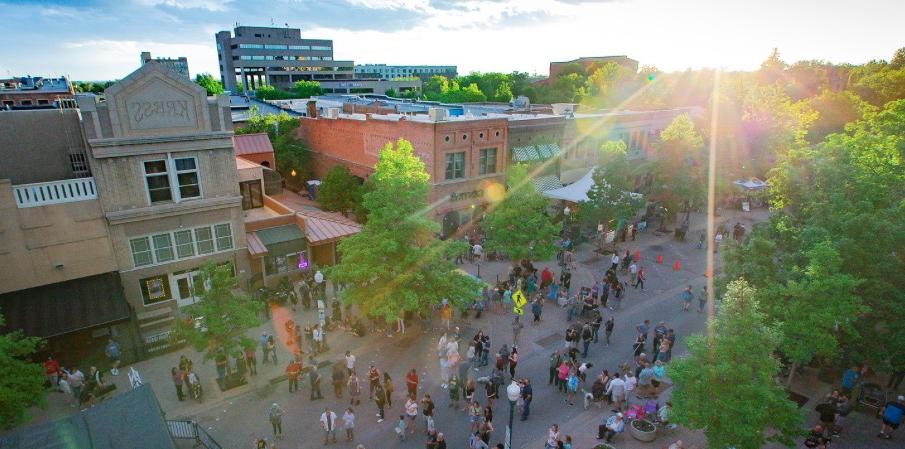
(326, 227)
(282, 240)
(531, 153)
(57, 309)
(255, 246)
(545, 183)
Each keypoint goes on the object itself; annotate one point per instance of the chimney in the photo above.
(312, 109)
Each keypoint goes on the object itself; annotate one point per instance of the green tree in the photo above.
(390, 92)
(290, 153)
(22, 382)
(209, 83)
(835, 110)
(396, 263)
(307, 89)
(726, 386)
(340, 190)
(881, 87)
(518, 226)
(610, 201)
(609, 85)
(679, 166)
(898, 59)
(435, 86)
(222, 314)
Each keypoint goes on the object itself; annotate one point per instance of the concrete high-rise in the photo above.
(252, 57)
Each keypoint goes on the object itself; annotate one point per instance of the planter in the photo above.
(643, 430)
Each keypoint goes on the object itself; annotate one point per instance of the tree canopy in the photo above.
(300, 89)
(340, 191)
(224, 313)
(827, 266)
(396, 263)
(209, 83)
(22, 382)
(518, 226)
(610, 201)
(679, 166)
(725, 385)
(290, 153)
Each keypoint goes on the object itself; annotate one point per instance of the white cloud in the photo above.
(210, 5)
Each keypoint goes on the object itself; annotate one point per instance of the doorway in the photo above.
(189, 286)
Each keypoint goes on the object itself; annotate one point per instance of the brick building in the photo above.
(463, 156)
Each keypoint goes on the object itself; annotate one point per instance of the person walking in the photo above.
(373, 381)
(411, 382)
(271, 349)
(427, 409)
(263, 342)
(315, 379)
(350, 363)
(354, 385)
(516, 329)
(687, 296)
(702, 299)
(339, 380)
(380, 400)
(454, 391)
(587, 335)
(536, 311)
(113, 353)
(178, 381)
(513, 361)
(77, 385)
(388, 388)
(52, 371)
(411, 412)
(892, 414)
(275, 415)
(616, 391)
(633, 271)
(527, 394)
(349, 424)
(614, 261)
(555, 361)
(608, 328)
(293, 369)
(639, 278)
(328, 423)
(251, 361)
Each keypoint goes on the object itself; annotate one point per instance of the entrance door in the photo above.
(450, 224)
(188, 286)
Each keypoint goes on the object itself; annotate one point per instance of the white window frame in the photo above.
(196, 244)
(172, 175)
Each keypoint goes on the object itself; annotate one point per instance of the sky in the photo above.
(102, 39)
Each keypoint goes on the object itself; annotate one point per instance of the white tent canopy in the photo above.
(575, 192)
(578, 190)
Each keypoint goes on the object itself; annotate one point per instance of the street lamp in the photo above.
(565, 221)
(512, 393)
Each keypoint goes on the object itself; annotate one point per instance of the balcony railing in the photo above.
(55, 192)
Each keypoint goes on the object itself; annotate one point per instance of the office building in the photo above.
(465, 157)
(179, 65)
(388, 72)
(35, 92)
(585, 62)
(251, 57)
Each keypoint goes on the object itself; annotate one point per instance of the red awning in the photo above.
(325, 227)
(252, 144)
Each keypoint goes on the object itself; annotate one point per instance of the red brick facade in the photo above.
(356, 143)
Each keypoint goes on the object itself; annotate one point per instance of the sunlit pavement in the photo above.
(237, 417)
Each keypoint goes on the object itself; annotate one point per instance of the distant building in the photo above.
(180, 65)
(464, 156)
(252, 57)
(35, 92)
(388, 72)
(585, 62)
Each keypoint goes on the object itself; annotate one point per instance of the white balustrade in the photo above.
(55, 192)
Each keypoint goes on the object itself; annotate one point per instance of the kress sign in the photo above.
(459, 196)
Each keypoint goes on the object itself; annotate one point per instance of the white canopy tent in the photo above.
(577, 191)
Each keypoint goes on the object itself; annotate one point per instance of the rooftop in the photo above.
(252, 143)
(35, 83)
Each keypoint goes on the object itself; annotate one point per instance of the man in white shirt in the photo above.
(478, 251)
(615, 261)
(317, 335)
(350, 363)
(617, 390)
(633, 269)
(614, 425)
(328, 422)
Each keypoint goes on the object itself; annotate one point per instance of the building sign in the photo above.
(459, 196)
(159, 104)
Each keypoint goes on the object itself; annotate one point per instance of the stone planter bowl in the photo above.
(643, 435)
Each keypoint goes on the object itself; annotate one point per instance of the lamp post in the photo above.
(512, 393)
(565, 221)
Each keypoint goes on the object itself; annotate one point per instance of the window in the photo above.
(43, 102)
(205, 240)
(141, 252)
(187, 176)
(299, 47)
(251, 192)
(25, 102)
(163, 247)
(251, 46)
(185, 245)
(224, 237)
(320, 48)
(156, 289)
(487, 161)
(455, 165)
(158, 181)
(274, 47)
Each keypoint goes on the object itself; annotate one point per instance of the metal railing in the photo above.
(55, 192)
(162, 341)
(190, 430)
